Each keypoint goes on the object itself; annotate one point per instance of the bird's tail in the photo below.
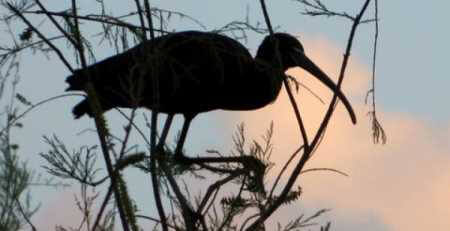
(77, 81)
(82, 108)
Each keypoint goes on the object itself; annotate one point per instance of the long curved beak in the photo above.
(312, 68)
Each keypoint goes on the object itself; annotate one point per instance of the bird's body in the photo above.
(196, 72)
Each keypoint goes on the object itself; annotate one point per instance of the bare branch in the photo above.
(42, 36)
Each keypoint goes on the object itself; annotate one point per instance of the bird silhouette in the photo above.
(196, 72)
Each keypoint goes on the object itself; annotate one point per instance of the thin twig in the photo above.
(134, 125)
(153, 126)
(127, 133)
(377, 130)
(42, 36)
(102, 207)
(24, 215)
(186, 208)
(330, 110)
(96, 18)
(286, 84)
(59, 27)
(297, 115)
(16, 118)
(28, 45)
(305, 157)
(266, 16)
(101, 131)
(155, 220)
(214, 188)
(141, 16)
(149, 18)
(297, 84)
(291, 158)
(324, 169)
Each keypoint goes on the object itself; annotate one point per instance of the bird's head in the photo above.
(285, 50)
(281, 48)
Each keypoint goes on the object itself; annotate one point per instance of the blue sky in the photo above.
(412, 81)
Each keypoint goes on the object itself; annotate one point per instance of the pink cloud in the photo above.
(58, 210)
(405, 183)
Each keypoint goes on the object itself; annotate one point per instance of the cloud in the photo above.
(403, 185)
(60, 209)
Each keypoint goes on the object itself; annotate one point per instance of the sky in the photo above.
(402, 185)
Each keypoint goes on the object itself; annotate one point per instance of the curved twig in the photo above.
(42, 36)
(305, 157)
(283, 170)
(324, 169)
(38, 104)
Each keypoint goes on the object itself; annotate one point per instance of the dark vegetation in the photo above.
(239, 194)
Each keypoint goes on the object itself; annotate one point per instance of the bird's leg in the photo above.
(165, 132)
(180, 143)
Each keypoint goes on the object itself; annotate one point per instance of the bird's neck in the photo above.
(270, 77)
